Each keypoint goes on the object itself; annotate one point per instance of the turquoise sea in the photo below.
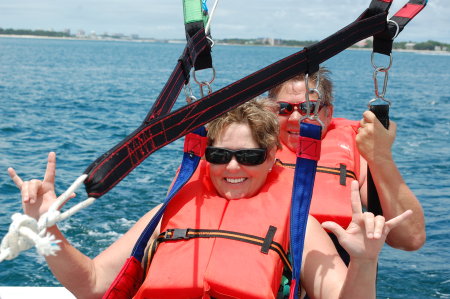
(79, 98)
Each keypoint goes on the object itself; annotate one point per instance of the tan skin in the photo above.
(324, 274)
(375, 146)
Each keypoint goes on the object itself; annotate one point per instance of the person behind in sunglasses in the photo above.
(237, 191)
(347, 148)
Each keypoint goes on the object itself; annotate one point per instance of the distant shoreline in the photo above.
(76, 38)
(144, 40)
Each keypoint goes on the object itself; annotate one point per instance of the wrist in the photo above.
(364, 261)
(380, 160)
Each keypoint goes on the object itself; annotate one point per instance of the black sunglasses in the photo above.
(249, 157)
(287, 108)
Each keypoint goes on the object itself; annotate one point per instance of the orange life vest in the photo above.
(338, 165)
(220, 267)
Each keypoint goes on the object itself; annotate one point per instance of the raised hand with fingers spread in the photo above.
(37, 195)
(366, 234)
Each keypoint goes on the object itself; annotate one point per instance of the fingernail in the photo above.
(377, 235)
(370, 235)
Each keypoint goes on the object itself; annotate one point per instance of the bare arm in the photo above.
(374, 143)
(324, 274)
(83, 276)
(90, 278)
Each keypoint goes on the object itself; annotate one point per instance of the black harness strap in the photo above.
(114, 165)
(382, 42)
(186, 234)
(197, 53)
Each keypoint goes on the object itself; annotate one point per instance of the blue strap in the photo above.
(305, 172)
(188, 166)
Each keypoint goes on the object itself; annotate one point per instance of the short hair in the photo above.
(258, 114)
(325, 85)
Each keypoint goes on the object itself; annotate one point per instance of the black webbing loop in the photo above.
(312, 61)
(203, 58)
(196, 46)
(379, 6)
(373, 201)
(186, 65)
(383, 41)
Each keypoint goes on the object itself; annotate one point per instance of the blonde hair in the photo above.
(259, 115)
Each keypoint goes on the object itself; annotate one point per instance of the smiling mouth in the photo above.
(294, 133)
(235, 180)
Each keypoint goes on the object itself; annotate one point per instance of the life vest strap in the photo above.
(178, 234)
(341, 171)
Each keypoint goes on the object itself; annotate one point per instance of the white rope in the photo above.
(25, 232)
(211, 14)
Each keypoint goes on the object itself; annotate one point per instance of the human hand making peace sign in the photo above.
(366, 234)
(37, 195)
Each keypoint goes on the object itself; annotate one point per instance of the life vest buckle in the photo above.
(176, 234)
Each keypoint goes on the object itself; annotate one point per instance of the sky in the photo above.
(288, 19)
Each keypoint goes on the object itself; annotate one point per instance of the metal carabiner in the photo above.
(385, 82)
(308, 91)
(377, 70)
(201, 85)
(189, 94)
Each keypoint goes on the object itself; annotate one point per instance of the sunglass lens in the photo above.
(251, 157)
(217, 155)
(303, 107)
(285, 108)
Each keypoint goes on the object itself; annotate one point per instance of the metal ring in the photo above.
(397, 31)
(211, 41)
(209, 82)
(372, 60)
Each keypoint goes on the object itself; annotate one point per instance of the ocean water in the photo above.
(79, 98)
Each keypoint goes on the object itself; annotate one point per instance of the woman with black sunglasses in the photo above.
(226, 233)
